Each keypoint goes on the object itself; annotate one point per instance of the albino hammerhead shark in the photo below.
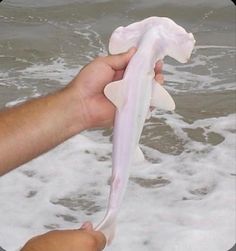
(154, 38)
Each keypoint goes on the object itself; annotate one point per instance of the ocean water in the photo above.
(182, 197)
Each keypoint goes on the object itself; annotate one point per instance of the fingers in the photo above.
(65, 240)
(99, 238)
(118, 75)
(120, 61)
(159, 77)
(159, 67)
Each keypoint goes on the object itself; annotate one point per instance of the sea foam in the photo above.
(184, 202)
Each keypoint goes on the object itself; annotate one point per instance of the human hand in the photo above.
(84, 239)
(89, 84)
(56, 117)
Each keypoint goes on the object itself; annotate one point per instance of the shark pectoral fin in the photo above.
(139, 157)
(113, 92)
(161, 99)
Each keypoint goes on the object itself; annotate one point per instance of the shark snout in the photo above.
(178, 43)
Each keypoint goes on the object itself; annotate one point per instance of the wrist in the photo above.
(74, 109)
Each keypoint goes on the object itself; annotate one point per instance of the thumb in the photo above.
(98, 236)
(100, 239)
(120, 61)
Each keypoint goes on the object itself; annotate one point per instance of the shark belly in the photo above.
(128, 126)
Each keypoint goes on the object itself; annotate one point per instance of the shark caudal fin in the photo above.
(108, 228)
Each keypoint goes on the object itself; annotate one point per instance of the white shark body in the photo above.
(154, 38)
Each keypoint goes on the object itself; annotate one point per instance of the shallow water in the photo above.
(183, 196)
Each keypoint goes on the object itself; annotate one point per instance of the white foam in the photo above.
(203, 72)
(55, 70)
(179, 78)
(194, 210)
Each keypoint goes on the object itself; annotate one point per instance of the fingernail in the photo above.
(132, 49)
(159, 78)
(159, 63)
(87, 225)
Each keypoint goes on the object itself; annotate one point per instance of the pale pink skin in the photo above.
(154, 38)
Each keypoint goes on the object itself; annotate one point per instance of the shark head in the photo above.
(173, 39)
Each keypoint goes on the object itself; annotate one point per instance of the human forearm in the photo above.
(30, 129)
(36, 126)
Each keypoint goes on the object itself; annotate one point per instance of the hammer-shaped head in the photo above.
(171, 38)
